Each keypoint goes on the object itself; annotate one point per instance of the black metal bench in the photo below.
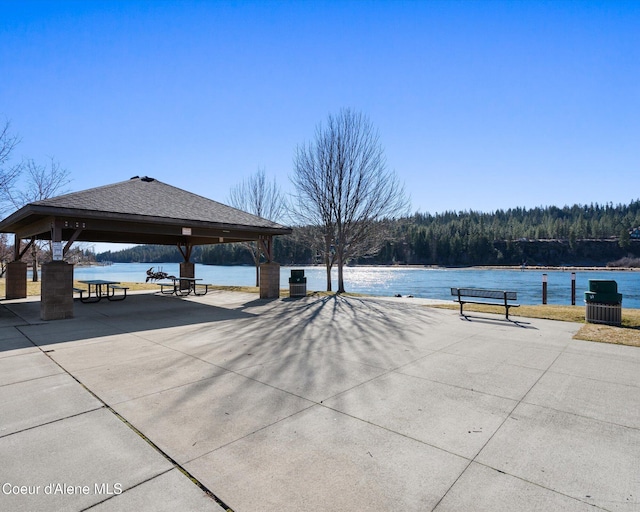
(473, 296)
(111, 294)
(79, 291)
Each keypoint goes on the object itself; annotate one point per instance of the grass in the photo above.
(627, 334)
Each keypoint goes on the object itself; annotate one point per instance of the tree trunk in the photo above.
(34, 262)
(255, 252)
(328, 265)
(340, 274)
(327, 260)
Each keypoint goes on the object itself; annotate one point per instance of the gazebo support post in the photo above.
(16, 283)
(270, 280)
(56, 296)
(269, 271)
(56, 289)
(187, 269)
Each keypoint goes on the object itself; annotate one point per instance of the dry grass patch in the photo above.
(609, 334)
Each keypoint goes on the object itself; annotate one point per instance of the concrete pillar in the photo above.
(187, 269)
(270, 280)
(16, 284)
(56, 297)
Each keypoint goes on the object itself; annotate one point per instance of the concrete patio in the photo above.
(349, 404)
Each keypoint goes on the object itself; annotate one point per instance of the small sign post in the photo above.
(57, 251)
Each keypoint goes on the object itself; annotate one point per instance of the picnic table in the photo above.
(183, 286)
(101, 289)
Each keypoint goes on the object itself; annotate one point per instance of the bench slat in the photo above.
(484, 294)
(489, 303)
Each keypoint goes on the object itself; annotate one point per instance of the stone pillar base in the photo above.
(187, 269)
(16, 284)
(270, 281)
(56, 297)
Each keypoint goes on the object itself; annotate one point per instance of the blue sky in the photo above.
(479, 104)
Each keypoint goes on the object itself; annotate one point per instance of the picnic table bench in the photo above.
(175, 286)
(474, 296)
(206, 288)
(111, 294)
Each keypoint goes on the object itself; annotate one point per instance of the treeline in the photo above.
(577, 235)
(571, 223)
(287, 250)
(548, 236)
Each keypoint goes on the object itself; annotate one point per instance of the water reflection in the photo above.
(388, 281)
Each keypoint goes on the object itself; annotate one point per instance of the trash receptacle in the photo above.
(603, 302)
(297, 284)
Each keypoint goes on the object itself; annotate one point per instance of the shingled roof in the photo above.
(139, 210)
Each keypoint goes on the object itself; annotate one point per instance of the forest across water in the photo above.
(580, 235)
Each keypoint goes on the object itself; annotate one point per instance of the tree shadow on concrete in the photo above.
(291, 355)
(138, 313)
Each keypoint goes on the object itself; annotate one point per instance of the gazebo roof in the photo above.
(139, 210)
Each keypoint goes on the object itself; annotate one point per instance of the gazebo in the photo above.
(141, 210)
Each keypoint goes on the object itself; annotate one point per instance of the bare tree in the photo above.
(344, 188)
(6, 252)
(8, 174)
(259, 197)
(313, 168)
(40, 182)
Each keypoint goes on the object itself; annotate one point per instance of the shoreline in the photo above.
(562, 268)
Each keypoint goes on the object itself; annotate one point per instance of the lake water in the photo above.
(388, 281)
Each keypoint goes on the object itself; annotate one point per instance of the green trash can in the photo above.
(297, 284)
